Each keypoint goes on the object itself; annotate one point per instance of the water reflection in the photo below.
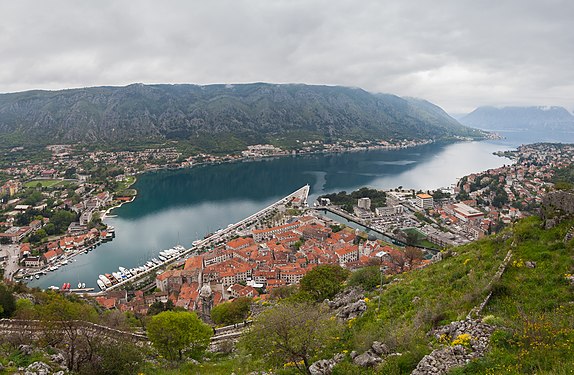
(180, 206)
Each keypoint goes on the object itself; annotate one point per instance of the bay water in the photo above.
(180, 206)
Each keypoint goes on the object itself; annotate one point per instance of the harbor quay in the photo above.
(179, 254)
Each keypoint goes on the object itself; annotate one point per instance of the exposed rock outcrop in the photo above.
(373, 356)
(38, 368)
(470, 338)
(557, 206)
(325, 366)
(348, 304)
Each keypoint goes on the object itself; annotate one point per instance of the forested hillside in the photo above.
(229, 116)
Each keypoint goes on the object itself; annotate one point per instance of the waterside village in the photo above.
(52, 205)
(279, 245)
(283, 244)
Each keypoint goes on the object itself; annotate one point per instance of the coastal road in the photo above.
(12, 265)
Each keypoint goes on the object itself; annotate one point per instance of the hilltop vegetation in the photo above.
(218, 117)
(348, 200)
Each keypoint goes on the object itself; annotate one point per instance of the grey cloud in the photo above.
(458, 54)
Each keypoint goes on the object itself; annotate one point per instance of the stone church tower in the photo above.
(206, 299)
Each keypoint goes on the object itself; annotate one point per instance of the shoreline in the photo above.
(106, 213)
(298, 154)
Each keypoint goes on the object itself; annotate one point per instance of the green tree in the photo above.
(7, 302)
(284, 291)
(60, 315)
(174, 333)
(38, 236)
(292, 334)
(158, 306)
(62, 219)
(368, 277)
(324, 281)
(231, 312)
(50, 229)
(33, 198)
(25, 309)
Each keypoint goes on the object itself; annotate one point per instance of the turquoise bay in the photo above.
(181, 206)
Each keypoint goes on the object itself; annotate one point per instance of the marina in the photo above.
(178, 252)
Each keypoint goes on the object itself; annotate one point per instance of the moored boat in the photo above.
(111, 278)
(156, 261)
(101, 284)
(125, 272)
(105, 280)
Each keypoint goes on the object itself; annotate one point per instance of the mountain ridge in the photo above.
(515, 118)
(245, 113)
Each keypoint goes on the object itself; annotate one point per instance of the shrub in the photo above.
(368, 278)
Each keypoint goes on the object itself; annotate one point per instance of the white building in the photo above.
(364, 203)
(424, 201)
(389, 210)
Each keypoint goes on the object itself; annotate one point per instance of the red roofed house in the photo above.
(238, 290)
(239, 243)
(49, 256)
(349, 253)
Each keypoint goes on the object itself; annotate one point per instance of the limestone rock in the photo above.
(346, 297)
(349, 303)
(325, 366)
(353, 310)
(26, 349)
(58, 358)
(530, 264)
(437, 257)
(38, 368)
(440, 361)
(367, 359)
(380, 348)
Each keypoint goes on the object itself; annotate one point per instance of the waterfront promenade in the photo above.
(221, 235)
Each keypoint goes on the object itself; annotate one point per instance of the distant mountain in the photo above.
(509, 118)
(219, 116)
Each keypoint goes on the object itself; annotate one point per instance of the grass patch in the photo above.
(418, 238)
(42, 183)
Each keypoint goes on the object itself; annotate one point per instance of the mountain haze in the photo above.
(243, 114)
(513, 118)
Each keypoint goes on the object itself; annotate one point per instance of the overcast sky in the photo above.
(457, 54)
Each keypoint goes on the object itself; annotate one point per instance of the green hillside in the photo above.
(219, 117)
(530, 310)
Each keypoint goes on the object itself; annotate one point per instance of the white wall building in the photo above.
(364, 203)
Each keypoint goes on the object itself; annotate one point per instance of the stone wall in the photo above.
(474, 337)
(556, 206)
